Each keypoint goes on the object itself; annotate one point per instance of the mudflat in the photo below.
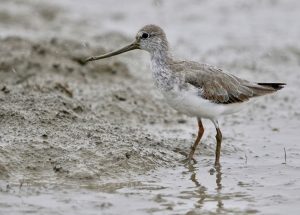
(100, 139)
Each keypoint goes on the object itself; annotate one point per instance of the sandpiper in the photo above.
(195, 89)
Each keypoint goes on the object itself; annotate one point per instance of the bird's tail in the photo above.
(260, 89)
(274, 86)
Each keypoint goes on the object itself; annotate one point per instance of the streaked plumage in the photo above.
(195, 89)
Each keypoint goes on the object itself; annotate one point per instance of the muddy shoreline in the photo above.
(65, 123)
(99, 138)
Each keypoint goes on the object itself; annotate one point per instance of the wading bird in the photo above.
(194, 89)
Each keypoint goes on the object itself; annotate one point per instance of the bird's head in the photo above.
(150, 38)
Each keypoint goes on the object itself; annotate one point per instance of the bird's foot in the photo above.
(188, 160)
(217, 164)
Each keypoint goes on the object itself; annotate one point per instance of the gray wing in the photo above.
(217, 86)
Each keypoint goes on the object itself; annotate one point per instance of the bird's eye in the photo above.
(145, 35)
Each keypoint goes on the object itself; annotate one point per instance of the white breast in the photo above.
(187, 100)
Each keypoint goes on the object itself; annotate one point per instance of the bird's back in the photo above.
(219, 87)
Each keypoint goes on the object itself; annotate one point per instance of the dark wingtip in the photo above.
(275, 86)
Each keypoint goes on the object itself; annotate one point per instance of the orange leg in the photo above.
(197, 141)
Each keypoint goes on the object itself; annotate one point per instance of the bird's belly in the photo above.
(193, 105)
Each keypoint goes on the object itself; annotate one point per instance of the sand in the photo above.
(100, 139)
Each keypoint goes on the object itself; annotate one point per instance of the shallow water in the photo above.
(242, 189)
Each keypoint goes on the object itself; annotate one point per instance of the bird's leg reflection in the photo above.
(219, 188)
(218, 178)
(201, 191)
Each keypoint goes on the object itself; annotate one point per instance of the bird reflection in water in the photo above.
(219, 188)
(201, 192)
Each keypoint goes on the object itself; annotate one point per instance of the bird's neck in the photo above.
(160, 58)
(161, 72)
